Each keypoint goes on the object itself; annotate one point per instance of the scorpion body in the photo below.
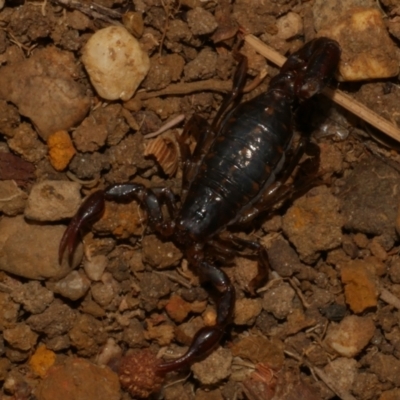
(239, 166)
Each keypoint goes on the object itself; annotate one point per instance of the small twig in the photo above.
(377, 152)
(237, 361)
(174, 278)
(187, 88)
(200, 86)
(170, 124)
(274, 278)
(339, 391)
(167, 10)
(295, 356)
(390, 298)
(256, 81)
(177, 381)
(96, 11)
(22, 46)
(337, 96)
(299, 293)
(88, 184)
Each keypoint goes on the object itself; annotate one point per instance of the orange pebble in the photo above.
(42, 360)
(177, 308)
(61, 149)
(209, 317)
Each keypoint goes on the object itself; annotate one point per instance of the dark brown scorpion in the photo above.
(240, 163)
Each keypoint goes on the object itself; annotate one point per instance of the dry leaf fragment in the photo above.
(166, 151)
(15, 168)
(265, 383)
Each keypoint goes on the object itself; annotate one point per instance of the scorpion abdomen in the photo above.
(243, 160)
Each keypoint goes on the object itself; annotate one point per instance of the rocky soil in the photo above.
(326, 324)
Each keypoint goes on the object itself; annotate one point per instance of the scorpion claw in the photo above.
(68, 240)
(90, 210)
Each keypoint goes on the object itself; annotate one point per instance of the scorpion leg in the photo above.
(234, 97)
(165, 196)
(201, 130)
(277, 190)
(304, 178)
(262, 264)
(227, 244)
(207, 338)
(93, 207)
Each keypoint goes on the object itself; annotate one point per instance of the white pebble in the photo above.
(109, 351)
(115, 63)
(95, 266)
(368, 52)
(53, 200)
(289, 26)
(350, 336)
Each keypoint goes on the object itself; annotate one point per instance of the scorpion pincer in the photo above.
(238, 168)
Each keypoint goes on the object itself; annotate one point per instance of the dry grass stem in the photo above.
(390, 298)
(213, 85)
(341, 393)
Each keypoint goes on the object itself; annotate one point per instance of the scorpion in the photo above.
(239, 166)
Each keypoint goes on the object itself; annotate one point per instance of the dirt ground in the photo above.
(326, 323)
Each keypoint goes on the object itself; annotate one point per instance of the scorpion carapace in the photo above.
(238, 168)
